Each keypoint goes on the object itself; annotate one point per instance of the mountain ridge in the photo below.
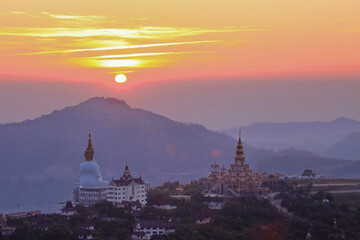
(316, 136)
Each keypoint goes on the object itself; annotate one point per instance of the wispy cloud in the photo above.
(131, 33)
(18, 12)
(59, 16)
(73, 17)
(78, 34)
(142, 54)
(122, 47)
(134, 60)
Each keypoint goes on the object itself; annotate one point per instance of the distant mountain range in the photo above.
(336, 139)
(40, 158)
(348, 147)
(295, 164)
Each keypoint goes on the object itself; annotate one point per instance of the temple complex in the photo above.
(238, 181)
(93, 188)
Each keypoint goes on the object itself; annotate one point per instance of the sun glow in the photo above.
(120, 63)
(120, 78)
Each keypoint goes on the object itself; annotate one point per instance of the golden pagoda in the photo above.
(239, 181)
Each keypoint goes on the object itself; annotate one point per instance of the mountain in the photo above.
(292, 161)
(316, 137)
(348, 147)
(294, 165)
(40, 158)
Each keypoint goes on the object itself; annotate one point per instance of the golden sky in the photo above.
(162, 40)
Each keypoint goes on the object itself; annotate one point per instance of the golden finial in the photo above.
(89, 153)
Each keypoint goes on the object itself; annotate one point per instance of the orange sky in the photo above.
(168, 40)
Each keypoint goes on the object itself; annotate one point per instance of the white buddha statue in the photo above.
(90, 176)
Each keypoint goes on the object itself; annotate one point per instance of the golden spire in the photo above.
(127, 170)
(239, 156)
(89, 153)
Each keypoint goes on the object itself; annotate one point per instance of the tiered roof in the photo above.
(127, 179)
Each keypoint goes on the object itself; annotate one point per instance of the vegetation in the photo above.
(109, 221)
(324, 216)
(238, 219)
(351, 200)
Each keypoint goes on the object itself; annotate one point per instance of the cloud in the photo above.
(18, 12)
(129, 33)
(131, 61)
(60, 16)
(73, 17)
(122, 47)
(141, 54)
(78, 34)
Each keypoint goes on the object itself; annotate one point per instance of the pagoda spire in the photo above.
(239, 156)
(127, 170)
(89, 153)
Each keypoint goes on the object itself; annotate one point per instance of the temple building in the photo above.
(127, 189)
(92, 187)
(239, 181)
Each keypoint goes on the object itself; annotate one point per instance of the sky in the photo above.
(218, 63)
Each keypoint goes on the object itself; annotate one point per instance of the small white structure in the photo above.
(127, 189)
(215, 205)
(92, 187)
(165, 207)
(85, 234)
(204, 220)
(145, 229)
(89, 225)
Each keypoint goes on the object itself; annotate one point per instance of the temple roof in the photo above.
(239, 156)
(127, 179)
(126, 182)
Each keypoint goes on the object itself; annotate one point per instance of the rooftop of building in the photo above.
(154, 223)
(126, 179)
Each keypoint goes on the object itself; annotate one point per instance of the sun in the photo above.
(120, 78)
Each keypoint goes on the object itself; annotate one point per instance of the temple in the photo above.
(92, 187)
(239, 181)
